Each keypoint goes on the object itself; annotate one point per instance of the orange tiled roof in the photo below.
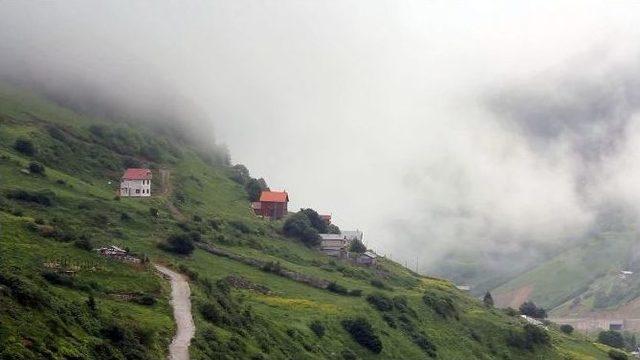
(137, 174)
(274, 196)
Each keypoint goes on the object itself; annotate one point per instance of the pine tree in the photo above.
(488, 300)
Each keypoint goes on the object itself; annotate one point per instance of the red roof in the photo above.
(274, 196)
(137, 174)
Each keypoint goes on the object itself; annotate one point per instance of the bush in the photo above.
(378, 283)
(212, 312)
(487, 300)
(25, 292)
(425, 344)
(215, 223)
(527, 339)
(566, 328)
(154, 212)
(125, 216)
(317, 327)
(196, 218)
(273, 267)
(179, 244)
(146, 299)
(316, 221)
(36, 168)
(42, 197)
(57, 279)
(617, 355)
(299, 226)
(337, 288)
(530, 309)
(25, 146)
(348, 354)
(380, 302)
(357, 246)
(362, 332)
(612, 338)
(240, 226)
(84, 243)
(443, 306)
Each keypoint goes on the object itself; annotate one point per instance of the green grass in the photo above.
(245, 323)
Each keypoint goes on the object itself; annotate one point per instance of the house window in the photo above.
(137, 191)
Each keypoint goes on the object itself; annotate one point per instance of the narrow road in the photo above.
(181, 302)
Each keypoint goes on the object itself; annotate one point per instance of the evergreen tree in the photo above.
(488, 300)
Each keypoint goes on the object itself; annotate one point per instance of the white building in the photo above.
(136, 182)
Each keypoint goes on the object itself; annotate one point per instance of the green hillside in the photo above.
(586, 275)
(58, 299)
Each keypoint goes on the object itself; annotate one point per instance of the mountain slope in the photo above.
(255, 293)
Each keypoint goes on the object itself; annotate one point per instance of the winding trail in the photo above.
(181, 302)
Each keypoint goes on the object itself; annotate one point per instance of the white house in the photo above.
(136, 182)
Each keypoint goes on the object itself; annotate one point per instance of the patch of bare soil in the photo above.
(513, 298)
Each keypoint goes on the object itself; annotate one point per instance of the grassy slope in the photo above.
(250, 323)
(585, 272)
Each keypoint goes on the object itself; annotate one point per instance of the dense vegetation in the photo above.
(258, 292)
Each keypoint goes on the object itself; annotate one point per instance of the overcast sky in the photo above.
(429, 125)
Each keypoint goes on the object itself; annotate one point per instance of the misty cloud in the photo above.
(434, 127)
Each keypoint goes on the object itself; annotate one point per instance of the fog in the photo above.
(435, 127)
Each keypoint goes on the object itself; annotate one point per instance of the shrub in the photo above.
(617, 355)
(532, 335)
(83, 243)
(36, 168)
(317, 327)
(425, 344)
(530, 309)
(212, 312)
(316, 221)
(91, 303)
(271, 266)
(42, 197)
(215, 223)
(299, 226)
(179, 244)
(154, 212)
(348, 354)
(240, 226)
(25, 146)
(355, 292)
(362, 332)
(357, 246)
(125, 216)
(611, 338)
(510, 311)
(380, 302)
(337, 288)
(488, 300)
(57, 279)
(378, 283)
(197, 218)
(566, 328)
(146, 299)
(25, 292)
(443, 306)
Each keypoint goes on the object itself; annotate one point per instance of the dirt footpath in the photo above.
(181, 303)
